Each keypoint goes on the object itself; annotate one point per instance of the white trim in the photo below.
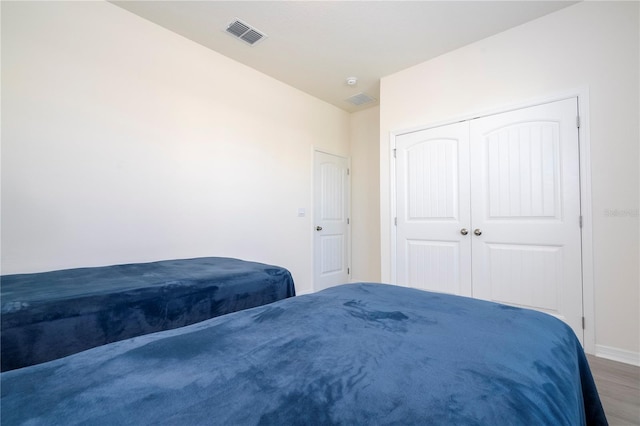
(393, 208)
(588, 285)
(582, 92)
(620, 355)
(349, 223)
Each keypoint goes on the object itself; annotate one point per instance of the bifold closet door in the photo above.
(433, 241)
(525, 204)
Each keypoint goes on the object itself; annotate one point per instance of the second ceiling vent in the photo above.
(360, 99)
(245, 32)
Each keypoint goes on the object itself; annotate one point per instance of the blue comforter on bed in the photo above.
(358, 354)
(54, 314)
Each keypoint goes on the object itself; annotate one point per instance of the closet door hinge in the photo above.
(580, 221)
(395, 221)
(578, 121)
(583, 326)
(394, 153)
(348, 172)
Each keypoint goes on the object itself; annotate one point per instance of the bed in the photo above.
(356, 354)
(54, 314)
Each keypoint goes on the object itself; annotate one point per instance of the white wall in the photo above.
(124, 142)
(365, 195)
(590, 44)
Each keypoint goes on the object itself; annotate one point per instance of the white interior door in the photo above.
(331, 220)
(433, 243)
(525, 189)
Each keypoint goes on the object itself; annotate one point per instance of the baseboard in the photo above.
(620, 355)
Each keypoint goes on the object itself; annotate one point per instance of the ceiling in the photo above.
(315, 46)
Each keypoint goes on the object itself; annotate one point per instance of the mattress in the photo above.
(54, 314)
(357, 354)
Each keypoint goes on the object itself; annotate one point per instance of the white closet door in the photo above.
(526, 205)
(432, 208)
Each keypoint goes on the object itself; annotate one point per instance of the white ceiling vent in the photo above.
(245, 32)
(360, 99)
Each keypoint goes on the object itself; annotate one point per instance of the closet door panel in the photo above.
(526, 208)
(432, 189)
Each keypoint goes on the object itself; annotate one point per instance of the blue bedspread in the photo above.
(358, 354)
(53, 314)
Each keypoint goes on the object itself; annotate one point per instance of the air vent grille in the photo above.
(252, 36)
(245, 32)
(360, 99)
(237, 28)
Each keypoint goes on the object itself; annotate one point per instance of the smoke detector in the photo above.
(245, 32)
(352, 81)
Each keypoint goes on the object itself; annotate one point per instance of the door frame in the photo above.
(312, 230)
(582, 95)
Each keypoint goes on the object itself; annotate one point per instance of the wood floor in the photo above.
(619, 388)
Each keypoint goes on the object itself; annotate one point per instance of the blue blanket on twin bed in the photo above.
(54, 314)
(357, 354)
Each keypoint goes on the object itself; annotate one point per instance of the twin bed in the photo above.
(356, 354)
(49, 315)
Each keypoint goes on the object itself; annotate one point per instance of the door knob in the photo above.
(318, 228)
(464, 231)
(477, 232)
